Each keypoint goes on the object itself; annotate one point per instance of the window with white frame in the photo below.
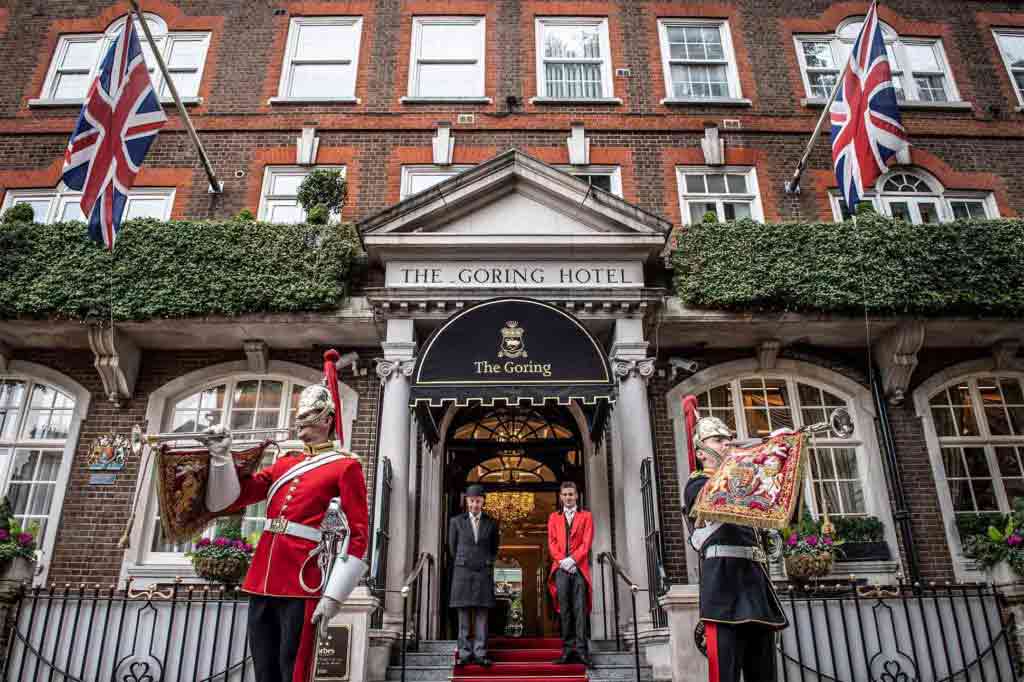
(1011, 47)
(77, 59)
(415, 179)
(61, 204)
(730, 193)
(447, 58)
(608, 178)
(279, 201)
(754, 406)
(920, 70)
(573, 58)
(35, 425)
(321, 58)
(698, 60)
(253, 408)
(920, 199)
(979, 423)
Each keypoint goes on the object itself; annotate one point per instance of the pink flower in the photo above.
(793, 540)
(4, 535)
(203, 542)
(247, 547)
(1014, 540)
(827, 540)
(812, 540)
(26, 539)
(221, 542)
(237, 544)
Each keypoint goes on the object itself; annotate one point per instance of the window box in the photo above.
(864, 551)
(713, 101)
(573, 61)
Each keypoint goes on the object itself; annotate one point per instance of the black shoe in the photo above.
(484, 661)
(585, 659)
(564, 658)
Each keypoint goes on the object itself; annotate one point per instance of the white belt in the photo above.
(734, 552)
(283, 526)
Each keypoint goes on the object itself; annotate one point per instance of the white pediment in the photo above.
(513, 204)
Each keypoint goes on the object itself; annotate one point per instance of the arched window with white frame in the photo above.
(845, 475)
(917, 197)
(40, 415)
(253, 407)
(974, 426)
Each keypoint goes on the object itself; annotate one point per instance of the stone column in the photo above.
(394, 429)
(682, 606)
(632, 420)
(355, 613)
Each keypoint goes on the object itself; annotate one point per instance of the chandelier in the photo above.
(509, 507)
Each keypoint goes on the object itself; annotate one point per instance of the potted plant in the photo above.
(17, 549)
(322, 194)
(809, 548)
(1000, 548)
(224, 558)
(863, 539)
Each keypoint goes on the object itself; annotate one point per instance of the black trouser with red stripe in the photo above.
(748, 648)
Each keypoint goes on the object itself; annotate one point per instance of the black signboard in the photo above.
(332, 653)
(512, 349)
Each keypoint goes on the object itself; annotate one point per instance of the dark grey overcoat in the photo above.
(472, 561)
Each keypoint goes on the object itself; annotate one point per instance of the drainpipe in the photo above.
(900, 513)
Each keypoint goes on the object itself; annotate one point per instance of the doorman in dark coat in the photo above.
(473, 548)
(738, 605)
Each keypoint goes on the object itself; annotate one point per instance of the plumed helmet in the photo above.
(707, 427)
(315, 405)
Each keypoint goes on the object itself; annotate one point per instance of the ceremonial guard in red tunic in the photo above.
(738, 605)
(293, 583)
(570, 537)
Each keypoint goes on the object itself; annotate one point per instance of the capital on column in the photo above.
(624, 369)
(387, 369)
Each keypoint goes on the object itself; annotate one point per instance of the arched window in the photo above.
(253, 406)
(919, 66)
(916, 196)
(511, 466)
(754, 406)
(242, 404)
(38, 431)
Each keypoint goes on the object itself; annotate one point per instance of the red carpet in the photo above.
(527, 658)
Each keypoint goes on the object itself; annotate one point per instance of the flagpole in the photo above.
(216, 186)
(793, 186)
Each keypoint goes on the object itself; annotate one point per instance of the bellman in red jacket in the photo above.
(291, 588)
(570, 536)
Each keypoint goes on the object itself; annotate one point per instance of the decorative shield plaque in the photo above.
(332, 653)
(109, 452)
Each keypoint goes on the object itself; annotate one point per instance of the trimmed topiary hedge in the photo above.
(173, 269)
(973, 268)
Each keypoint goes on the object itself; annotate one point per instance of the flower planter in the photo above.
(1001, 574)
(230, 570)
(13, 574)
(803, 567)
(865, 551)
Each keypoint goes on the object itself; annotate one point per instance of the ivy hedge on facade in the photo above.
(971, 267)
(173, 269)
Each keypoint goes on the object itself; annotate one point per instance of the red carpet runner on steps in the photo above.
(522, 658)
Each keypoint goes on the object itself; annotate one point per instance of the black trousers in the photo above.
(275, 629)
(733, 649)
(572, 609)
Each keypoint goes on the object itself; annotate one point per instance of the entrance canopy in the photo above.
(514, 351)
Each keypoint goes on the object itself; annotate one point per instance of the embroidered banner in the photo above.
(757, 486)
(181, 487)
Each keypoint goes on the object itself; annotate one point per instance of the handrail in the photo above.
(609, 558)
(412, 580)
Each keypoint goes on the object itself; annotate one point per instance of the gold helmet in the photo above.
(707, 427)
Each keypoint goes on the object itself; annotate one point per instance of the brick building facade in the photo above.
(411, 98)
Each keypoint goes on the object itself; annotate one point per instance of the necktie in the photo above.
(476, 527)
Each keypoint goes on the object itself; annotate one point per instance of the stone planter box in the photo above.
(13, 575)
(1002, 574)
(864, 551)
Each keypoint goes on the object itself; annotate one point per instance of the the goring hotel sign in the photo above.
(515, 274)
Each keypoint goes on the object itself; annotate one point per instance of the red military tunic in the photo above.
(274, 571)
(581, 537)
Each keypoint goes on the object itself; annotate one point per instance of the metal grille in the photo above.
(657, 580)
(379, 580)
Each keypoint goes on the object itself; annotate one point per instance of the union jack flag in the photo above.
(866, 127)
(119, 121)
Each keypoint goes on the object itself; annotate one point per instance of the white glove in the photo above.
(567, 564)
(326, 610)
(219, 444)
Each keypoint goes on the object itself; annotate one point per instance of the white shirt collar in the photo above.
(570, 511)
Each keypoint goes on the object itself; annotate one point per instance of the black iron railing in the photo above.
(657, 580)
(850, 632)
(414, 591)
(608, 559)
(378, 581)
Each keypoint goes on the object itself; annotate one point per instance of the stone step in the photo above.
(422, 658)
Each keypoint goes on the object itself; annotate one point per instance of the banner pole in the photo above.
(216, 186)
(793, 186)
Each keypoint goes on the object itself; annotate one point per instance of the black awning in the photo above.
(513, 350)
